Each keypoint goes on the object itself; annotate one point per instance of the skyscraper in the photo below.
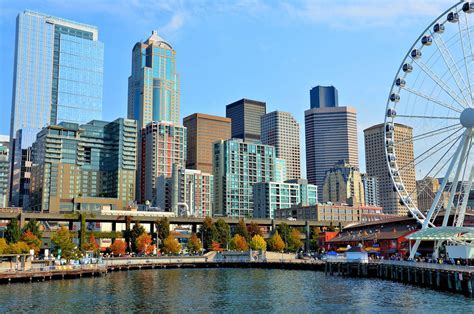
(245, 115)
(203, 131)
(371, 190)
(331, 135)
(343, 184)
(58, 74)
(153, 87)
(376, 165)
(324, 97)
(4, 152)
(281, 130)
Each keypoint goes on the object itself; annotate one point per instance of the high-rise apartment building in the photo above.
(281, 130)
(343, 184)
(376, 165)
(162, 145)
(4, 166)
(58, 76)
(153, 87)
(84, 167)
(324, 97)
(280, 170)
(270, 196)
(371, 190)
(203, 131)
(246, 115)
(331, 135)
(237, 166)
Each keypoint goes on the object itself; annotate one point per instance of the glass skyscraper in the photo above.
(324, 97)
(153, 87)
(58, 74)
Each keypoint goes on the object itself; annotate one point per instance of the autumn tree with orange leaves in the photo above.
(118, 247)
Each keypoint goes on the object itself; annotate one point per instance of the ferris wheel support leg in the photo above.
(462, 211)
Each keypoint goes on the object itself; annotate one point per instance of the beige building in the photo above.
(343, 184)
(376, 164)
(203, 131)
(427, 190)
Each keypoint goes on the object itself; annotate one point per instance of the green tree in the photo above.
(208, 232)
(3, 246)
(34, 227)
(62, 240)
(258, 243)
(239, 243)
(314, 242)
(13, 232)
(275, 243)
(171, 245)
(31, 240)
(136, 231)
(162, 228)
(241, 229)
(294, 240)
(194, 244)
(223, 232)
(254, 229)
(19, 247)
(284, 231)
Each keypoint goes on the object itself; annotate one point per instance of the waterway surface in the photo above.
(226, 290)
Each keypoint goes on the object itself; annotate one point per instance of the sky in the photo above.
(267, 50)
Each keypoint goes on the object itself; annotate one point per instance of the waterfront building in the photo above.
(270, 196)
(426, 190)
(330, 135)
(280, 170)
(376, 165)
(246, 119)
(84, 167)
(153, 86)
(4, 170)
(324, 97)
(371, 190)
(343, 184)
(58, 76)
(237, 166)
(187, 192)
(281, 130)
(203, 131)
(162, 145)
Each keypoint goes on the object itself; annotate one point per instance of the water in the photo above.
(225, 290)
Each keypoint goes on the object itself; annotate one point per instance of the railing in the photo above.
(459, 268)
(120, 261)
(54, 268)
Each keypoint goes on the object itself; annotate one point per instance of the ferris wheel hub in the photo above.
(467, 118)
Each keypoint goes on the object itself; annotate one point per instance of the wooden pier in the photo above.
(52, 273)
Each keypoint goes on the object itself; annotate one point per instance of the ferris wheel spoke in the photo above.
(440, 82)
(422, 95)
(468, 72)
(426, 117)
(428, 134)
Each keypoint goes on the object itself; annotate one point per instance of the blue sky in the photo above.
(273, 51)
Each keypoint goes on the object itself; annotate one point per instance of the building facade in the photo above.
(426, 190)
(281, 174)
(58, 76)
(153, 87)
(202, 132)
(238, 165)
(246, 119)
(282, 131)
(324, 97)
(270, 196)
(376, 165)
(343, 184)
(4, 170)
(162, 145)
(331, 135)
(84, 167)
(371, 190)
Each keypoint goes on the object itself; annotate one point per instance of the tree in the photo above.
(136, 231)
(91, 245)
(118, 247)
(13, 232)
(294, 241)
(31, 240)
(284, 231)
(241, 229)
(239, 243)
(258, 243)
(162, 228)
(19, 247)
(194, 244)
(171, 245)
(254, 229)
(314, 242)
(276, 244)
(142, 242)
(216, 247)
(208, 232)
(3, 246)
(34, 227)
(62, 240)
(223, 232)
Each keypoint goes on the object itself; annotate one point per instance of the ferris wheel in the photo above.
(429, 123)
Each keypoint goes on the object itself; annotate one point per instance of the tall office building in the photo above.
(245, 115)
(84, 167)
(331, 135)
(427, 190)
(153, 87)
(237, 166)
(376, 165)
(371, 190)
(324, 97)
(162, 145)
(4, 152)
(203, 131)
(343, 184)
(58, 74)
(281, 130)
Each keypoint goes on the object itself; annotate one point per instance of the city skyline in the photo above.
(175, 22)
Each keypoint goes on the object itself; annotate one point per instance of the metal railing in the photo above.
(449, 267)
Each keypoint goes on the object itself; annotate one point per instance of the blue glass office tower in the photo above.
(323, 97)
(58, 74)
